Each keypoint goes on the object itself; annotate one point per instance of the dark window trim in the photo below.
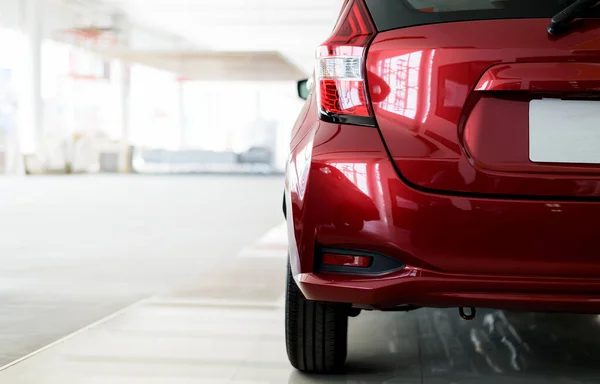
(395, 14)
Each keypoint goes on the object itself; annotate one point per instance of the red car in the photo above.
(448, 155)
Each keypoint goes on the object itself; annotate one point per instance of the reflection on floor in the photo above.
(228, 328)
(437, 346)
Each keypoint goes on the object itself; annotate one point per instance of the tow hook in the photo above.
(470, 316)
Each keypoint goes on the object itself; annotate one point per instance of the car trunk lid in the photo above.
(489, 107)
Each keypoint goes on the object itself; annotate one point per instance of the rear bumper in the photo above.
(343, 193)
(433, 289)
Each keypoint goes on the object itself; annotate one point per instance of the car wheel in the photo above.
(316, 333)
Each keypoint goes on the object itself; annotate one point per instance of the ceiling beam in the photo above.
(217, 66)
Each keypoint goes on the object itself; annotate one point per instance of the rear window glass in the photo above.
(481, 5)
(392, 14)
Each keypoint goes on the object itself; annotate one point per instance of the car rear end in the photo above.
(450, 156)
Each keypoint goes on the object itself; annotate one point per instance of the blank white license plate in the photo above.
(564, 131)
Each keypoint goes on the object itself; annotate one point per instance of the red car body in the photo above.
(440, 189)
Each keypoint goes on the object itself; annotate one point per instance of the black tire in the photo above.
(316, 333)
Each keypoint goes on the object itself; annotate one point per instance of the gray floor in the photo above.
(74, 249)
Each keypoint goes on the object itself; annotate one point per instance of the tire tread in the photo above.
(316, 332)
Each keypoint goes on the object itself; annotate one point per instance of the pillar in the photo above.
(181, 115)
(123, 74)
(28, 137)
(124, 100)
(34, 27)
(124, 78)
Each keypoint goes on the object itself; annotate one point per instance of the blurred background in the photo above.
(142, 149)
(130, 85)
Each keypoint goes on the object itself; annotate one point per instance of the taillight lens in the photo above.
(340, 79)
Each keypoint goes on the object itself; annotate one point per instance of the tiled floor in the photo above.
(197, 336)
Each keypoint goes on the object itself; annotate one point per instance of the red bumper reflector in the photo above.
(346, 260)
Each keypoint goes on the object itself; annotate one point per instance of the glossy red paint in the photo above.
(344, 193)
(455, 106)
(424, 288)
(547, 77)
(444, 185)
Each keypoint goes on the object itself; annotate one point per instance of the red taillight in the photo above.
(339, 74)
(346, 260)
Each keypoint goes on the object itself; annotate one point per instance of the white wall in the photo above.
(10, 13)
